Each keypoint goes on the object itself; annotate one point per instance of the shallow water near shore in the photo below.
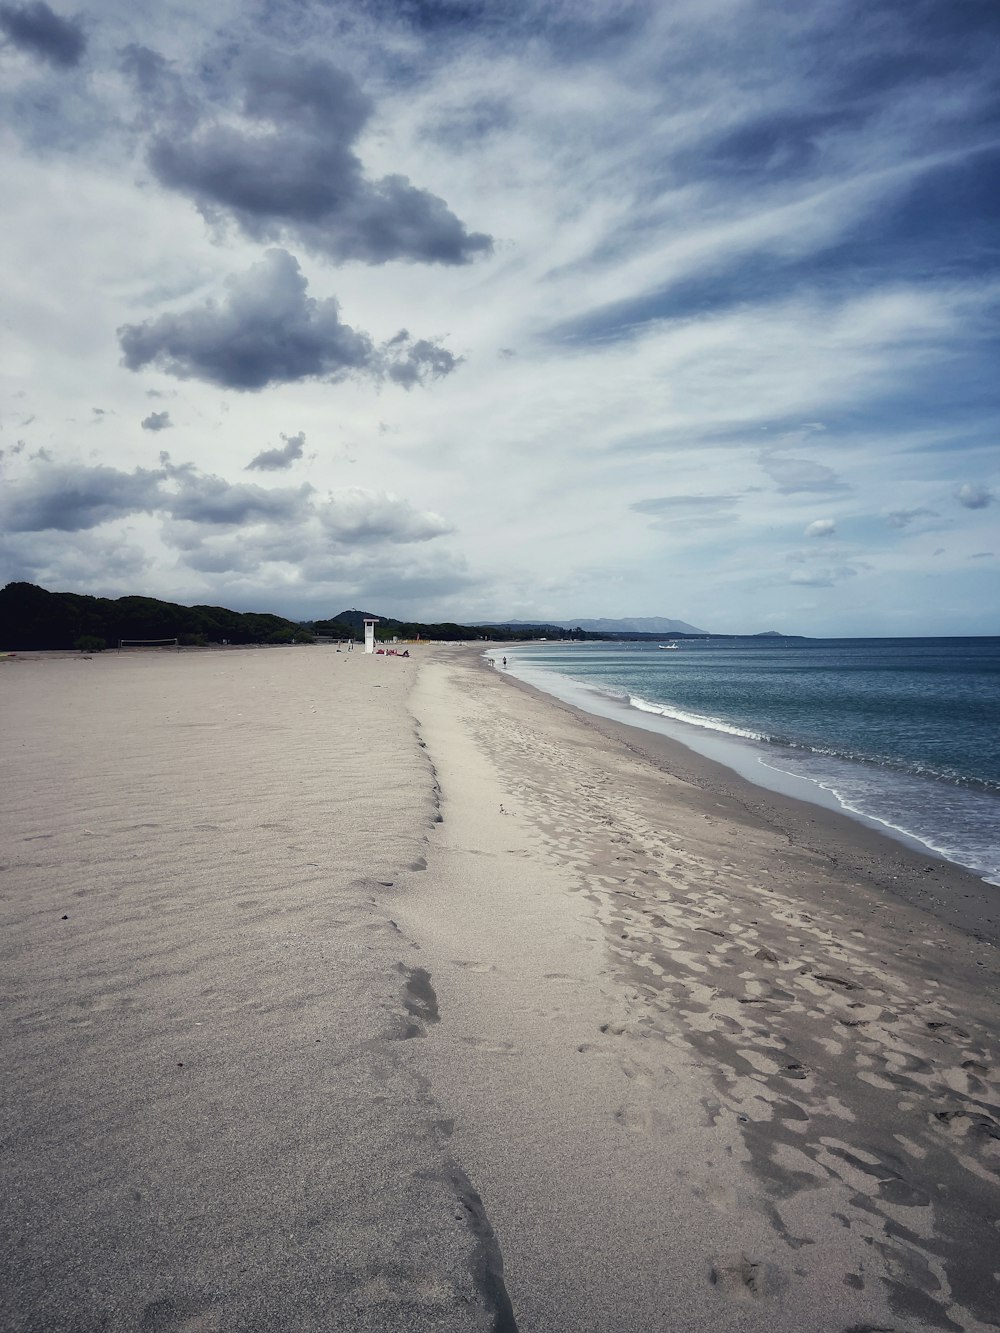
(898, 733)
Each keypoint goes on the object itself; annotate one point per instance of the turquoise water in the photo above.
(902, 733)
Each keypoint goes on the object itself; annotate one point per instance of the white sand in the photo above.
(701, 1077)
(210, 1120)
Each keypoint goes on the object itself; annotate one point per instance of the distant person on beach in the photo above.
(505, 661)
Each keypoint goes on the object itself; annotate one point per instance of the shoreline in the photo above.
(898, 865)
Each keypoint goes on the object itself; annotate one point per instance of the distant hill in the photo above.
(638, 625)
(629, 625)
(389, 626)
(356, 619)
(32, 617)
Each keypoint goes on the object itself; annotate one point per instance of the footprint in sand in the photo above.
(182, 1315)
(491, 1047)
(946, 1031)
(419, 1000)
(738, 1277)
(635, 1117)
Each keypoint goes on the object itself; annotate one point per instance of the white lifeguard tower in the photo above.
(370, 635)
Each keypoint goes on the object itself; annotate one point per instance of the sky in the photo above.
(452, 310)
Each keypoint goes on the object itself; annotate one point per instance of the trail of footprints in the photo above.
(720, 971)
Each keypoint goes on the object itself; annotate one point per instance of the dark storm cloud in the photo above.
(157, 421)
(162, 94)
(36, 29)
(268, 331)
(272, 460)
(287, 170)
(207, 499)
(414, 363)
(146, 68)
(73, 497)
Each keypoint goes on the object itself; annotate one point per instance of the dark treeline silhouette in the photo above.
(30, 617)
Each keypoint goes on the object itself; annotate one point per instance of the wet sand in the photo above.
(347, 992)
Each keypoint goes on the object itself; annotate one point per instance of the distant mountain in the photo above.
(389, 626)
(628, 625)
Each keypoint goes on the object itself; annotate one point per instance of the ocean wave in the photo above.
(916, 768)
(694, 719)
(961, 844)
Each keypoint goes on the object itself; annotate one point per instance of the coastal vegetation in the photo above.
(34, 618)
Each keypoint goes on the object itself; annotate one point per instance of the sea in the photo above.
(901, 734)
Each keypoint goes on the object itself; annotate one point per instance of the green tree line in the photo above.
(31, 617)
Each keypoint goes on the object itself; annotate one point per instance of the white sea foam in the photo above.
(695, 719)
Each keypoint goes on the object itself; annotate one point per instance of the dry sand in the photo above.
(282, 1051)
(211, 1120)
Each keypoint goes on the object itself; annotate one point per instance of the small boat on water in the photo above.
(666, 647)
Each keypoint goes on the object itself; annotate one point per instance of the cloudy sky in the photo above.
(465, 308)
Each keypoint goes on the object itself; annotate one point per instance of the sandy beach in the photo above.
(348, 992)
